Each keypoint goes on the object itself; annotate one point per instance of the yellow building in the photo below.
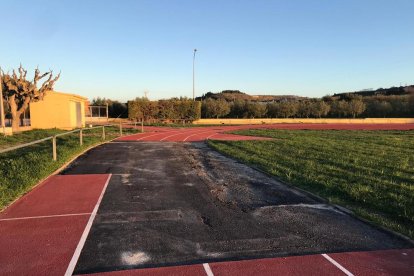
(58, 110)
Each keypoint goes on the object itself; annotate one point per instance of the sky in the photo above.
(120, 49)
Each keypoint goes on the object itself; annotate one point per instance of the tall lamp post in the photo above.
(195, 50)
(3, 123)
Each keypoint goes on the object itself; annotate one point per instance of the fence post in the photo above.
(54, 148)
(81, 137)
(142, 126)
(120, 128)
(103, 132)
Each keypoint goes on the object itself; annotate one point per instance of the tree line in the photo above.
(168, 110)
(344, 106)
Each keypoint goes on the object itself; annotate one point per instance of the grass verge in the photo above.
(21, 169)
(369, 172)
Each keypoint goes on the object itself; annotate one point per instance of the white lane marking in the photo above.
(335, 263)
(179, 132)
(212, 135)
(208, 270)
(50, 216)
(75, 257)
(148, 136)
(198, 134)
(158, 133)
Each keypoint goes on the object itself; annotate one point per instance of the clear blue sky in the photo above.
(119, 49)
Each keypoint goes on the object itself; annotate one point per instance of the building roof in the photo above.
(71, 95)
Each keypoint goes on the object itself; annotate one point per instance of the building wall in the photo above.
(57, 110)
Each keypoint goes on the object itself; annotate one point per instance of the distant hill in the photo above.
(232, 95)
(401, 90)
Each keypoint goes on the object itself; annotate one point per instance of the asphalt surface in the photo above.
(182, 203)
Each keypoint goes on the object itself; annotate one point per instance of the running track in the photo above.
(194, 134)
(43, 232)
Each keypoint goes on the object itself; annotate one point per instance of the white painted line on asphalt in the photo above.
(75, 257)
(208, 270)
(335, 263)
(50, 216)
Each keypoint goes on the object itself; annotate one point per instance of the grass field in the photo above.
(21, 169)
(369, 172)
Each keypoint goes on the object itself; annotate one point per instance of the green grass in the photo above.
(21, 169)
(27, 136)
(369, 172)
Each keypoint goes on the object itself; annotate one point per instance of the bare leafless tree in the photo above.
(19, 92)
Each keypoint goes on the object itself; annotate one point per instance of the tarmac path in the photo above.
(182, 203)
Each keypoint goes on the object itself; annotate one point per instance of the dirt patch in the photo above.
(234, 184)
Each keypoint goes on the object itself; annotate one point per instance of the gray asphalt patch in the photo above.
(178, 203)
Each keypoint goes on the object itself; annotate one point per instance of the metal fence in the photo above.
(81, 134)
(97, 111)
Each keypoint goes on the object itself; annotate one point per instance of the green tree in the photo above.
(237, 108)
(304, 109)
(339, 109)
(288, 109)
(356, 107)
(411, 103)
(255, 110)
(215, 108)
(319, 109)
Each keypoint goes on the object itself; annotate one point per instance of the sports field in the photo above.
(164, 203)
(370, 172)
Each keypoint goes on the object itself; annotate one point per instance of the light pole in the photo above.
(195, 50)
(3, 123)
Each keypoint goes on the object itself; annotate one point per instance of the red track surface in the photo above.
(39, 233)
(387, 262)
(219, 132)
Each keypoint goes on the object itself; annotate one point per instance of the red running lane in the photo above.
(385, 262)
(41, 230)
(157, 134)
(303, 265)
(188, 270)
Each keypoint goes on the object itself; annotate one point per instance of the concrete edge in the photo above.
(321, 199)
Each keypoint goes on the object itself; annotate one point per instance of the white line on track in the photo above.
(335, 263)
(179, 132)
(198, 134)
(75, 257)
(149, 136)
(50, 216)
(208, 270)
(208, 137)
(157, 133)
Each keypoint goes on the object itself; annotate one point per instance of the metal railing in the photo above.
(80, 130)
